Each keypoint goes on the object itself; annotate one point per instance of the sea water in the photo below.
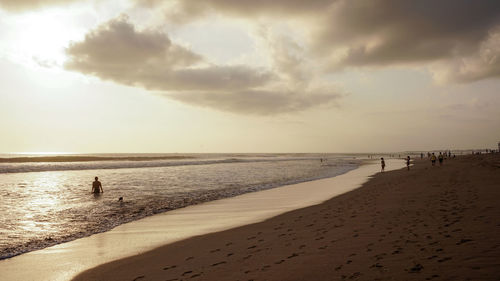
(43, 202)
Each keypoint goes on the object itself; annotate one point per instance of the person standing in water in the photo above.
(382, 163)
(408, 162)
(97, 186)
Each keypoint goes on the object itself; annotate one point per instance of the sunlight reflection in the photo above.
(44, 197)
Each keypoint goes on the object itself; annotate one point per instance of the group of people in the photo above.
(440, 158)
(432, 156)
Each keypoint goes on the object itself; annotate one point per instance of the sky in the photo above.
(190, 76)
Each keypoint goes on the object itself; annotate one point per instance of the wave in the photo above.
(121, 163)
(51, 159)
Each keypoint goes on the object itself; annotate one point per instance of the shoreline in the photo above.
(148, 233)
(429, 223)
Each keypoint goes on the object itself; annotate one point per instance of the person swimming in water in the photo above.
(97, 186)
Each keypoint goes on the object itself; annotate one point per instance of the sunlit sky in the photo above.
(248, 76)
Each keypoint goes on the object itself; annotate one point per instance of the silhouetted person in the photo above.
(97, 186)
(408, 162)
(440, 158)
(433, 159)
(382, 163)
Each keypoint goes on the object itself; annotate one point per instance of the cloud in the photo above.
(45, 63)
(483, 64)
(382, 33)
(255, 102)
(194, 8)
(118, 52)
(23, 5)
(387, 32)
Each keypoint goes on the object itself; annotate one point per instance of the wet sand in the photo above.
(429, 223)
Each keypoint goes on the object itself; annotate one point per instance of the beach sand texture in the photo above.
(429, 223)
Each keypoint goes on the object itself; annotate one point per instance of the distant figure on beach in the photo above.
(440, 157)
(97, 186)
(421, 156)
(382, 163)
(433, 159)
(408, 162)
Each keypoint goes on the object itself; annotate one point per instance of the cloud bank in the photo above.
(116, 51)
(24, 5)
(444, 35)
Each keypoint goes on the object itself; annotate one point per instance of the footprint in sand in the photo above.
(265, 267)
(444, 259)
(416, 268)
(169, 267)
(464, 241)
(219, 263)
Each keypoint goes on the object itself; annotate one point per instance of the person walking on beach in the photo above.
(433, 159)
(97, 186)
(382, 163)
(408, 162)
(440, 158)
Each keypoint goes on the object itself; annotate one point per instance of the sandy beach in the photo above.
(64, 261)
(429, 223)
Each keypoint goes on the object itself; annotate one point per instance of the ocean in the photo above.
(47, 200)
